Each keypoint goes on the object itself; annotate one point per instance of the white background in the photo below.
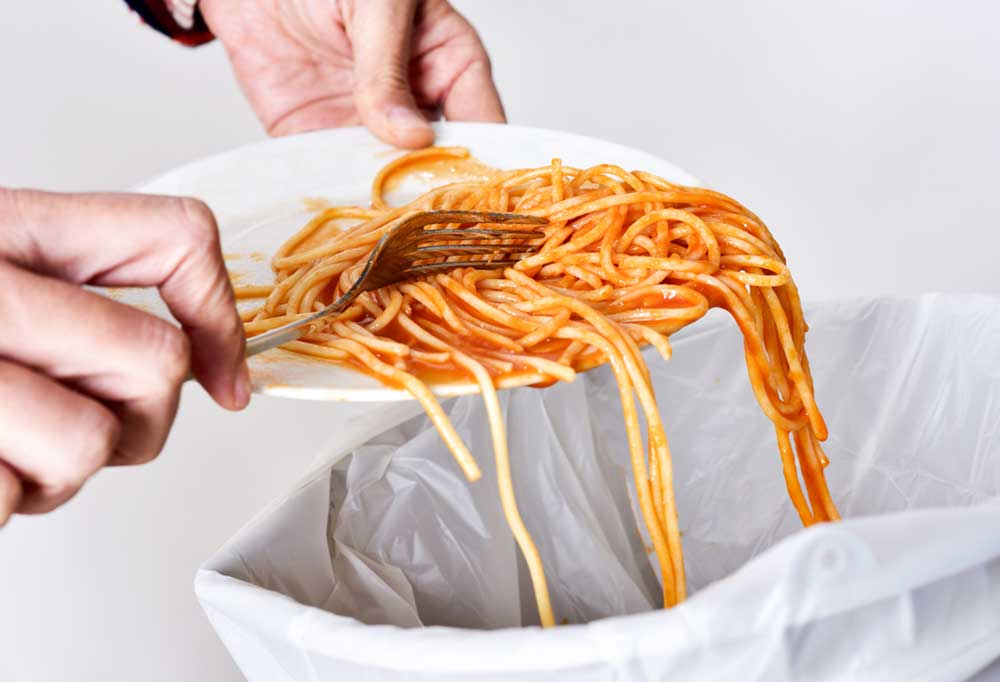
(865, 133)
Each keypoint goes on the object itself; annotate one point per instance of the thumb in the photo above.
(380, 33)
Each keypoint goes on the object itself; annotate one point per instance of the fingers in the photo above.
(315, 114)
(113, 351)
(10, 493)
(50, 436)
(145, 424)
(86, 381)
(469, 94)
(199, 294)
(473, 96)
(137, 240)
(118, 354)
(380, 33)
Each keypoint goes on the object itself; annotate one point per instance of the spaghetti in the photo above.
(627, 259)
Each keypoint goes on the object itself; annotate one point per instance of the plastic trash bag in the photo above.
(385, 564)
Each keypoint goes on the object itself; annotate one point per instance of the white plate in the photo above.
(258, 193)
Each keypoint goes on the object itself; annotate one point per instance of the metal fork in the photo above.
(408, 250)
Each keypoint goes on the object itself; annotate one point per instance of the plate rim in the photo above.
(438, 126)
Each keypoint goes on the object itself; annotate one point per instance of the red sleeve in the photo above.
(167, 16)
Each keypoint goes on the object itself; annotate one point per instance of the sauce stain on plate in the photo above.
(441, 171)
(316, 204)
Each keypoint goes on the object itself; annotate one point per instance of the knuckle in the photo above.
(198, 223)
(100, 438)
(144, 456)
(482, 63)
(374, 88)
(62, 485)
(170, 351)
(148, 452)
(137, 455)
(97, 437)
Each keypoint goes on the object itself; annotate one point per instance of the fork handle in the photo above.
(293, 330)
(274, 338)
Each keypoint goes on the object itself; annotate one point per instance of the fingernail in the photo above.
(403, 118)
(241, 387)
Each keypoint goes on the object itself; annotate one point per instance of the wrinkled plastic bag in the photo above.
(385, 564)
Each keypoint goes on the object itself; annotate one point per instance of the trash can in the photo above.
(386, 564)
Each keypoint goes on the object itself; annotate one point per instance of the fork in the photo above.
(408, 250)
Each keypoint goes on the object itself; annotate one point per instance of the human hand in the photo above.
(87, 382)
(312, 64)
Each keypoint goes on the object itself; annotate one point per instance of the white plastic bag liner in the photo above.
(387, 565)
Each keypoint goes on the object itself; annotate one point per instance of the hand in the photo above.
(311, 64)
(85, 381)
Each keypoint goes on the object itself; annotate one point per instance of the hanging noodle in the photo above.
(627, 259)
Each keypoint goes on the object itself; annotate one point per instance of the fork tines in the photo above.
(432, 249)
(424, 268)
